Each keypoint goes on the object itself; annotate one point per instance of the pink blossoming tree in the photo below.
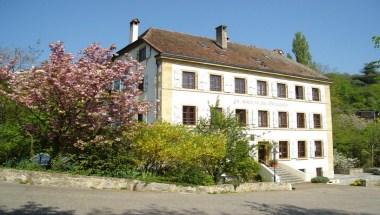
(74, 97)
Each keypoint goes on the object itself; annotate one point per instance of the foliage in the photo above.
(359, 182)
(167, 149)
(73, 97)
(320, 179)
(27, 164)
(301, 49)
(13, 144)
(343, 163)
(237, 162)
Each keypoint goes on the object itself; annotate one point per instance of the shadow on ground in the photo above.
(266, 209)
(32, 208)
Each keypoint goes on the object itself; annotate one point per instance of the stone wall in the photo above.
(93, 182)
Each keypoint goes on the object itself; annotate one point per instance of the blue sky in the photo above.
(339, 32)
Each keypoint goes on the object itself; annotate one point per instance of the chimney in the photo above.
(133, 30)
(221, 36)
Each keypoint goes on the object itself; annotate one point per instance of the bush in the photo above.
(342, 164)
(172, 150)
(237, 163)
(359, 182)
(13, 145)
(194, 176)
(320, 179)
(28, 165)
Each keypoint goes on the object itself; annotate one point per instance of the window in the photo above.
(301, 149)
(302, 170)
(319, 171)
(318, 149)
(263, 118)
(301, 120)
(117, 85)
(188, 115)
(315, 94)
(188, 80)
(284, 149)
(140, 117)
(241, 116)
(215, 83)
(141, 85)
(281, 90)
(299, 92)
(282, 119)
(317, 120)
(142, 54)
(240, 85)
(261, 88)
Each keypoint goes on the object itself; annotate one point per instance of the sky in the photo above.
(339, 32)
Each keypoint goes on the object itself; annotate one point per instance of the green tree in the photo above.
(237, 162)
(301, 49)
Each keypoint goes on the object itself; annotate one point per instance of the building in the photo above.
(277, 99)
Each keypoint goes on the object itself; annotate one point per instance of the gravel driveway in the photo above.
(306, 199)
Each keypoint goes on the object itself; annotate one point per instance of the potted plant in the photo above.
(273, 163)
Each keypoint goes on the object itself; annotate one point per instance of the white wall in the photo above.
(149, 93)
(202, 97)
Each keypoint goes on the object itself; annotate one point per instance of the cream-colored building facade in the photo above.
(278, 100)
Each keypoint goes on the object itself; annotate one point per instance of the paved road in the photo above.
(306, 199)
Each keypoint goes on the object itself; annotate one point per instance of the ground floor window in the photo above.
(319, 171)
(284, 149)
(188, 115)
(140, 117)
(301, 149)
(241, 116)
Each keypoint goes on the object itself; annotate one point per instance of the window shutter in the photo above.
(292, 120)
(203, 80)
(325, 149)
(251, 85)
(274, 89)
(322, 94)
(275, 119)
(228, 83)
(311, 149)
(310, 119)
(293, 149)
(308, 92)
(177, 82)
(177, 114)
(291, 91)
(204, 112)
(255, 118)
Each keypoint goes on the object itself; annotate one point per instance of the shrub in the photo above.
(28, 165)
(320, 179)
(359, 182)
(342, 164)
(237, 163)
(13, 144)
(166, 149)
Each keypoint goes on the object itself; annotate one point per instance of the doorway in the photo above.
(263, 152)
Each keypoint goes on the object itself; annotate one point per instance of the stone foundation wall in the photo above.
(93, 182)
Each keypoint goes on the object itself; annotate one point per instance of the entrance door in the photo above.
(263, 153)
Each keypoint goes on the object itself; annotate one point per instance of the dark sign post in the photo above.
(274, 161)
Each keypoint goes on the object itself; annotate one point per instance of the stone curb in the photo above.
(94, 182)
